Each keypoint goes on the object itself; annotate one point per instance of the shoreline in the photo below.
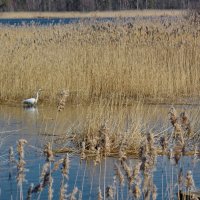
(94, 14)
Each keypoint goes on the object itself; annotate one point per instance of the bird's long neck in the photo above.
(37, 96)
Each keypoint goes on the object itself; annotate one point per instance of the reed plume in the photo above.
(110, 192)
(98, 156)
(119, 174)
(73, 194)
(11, 155)
(48, 152)
(83, 156)
(189, 181)
(100, 197)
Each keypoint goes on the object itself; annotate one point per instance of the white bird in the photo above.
(32, 101)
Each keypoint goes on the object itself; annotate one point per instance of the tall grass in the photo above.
(116, 62)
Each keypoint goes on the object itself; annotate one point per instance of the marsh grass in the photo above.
(107, 62)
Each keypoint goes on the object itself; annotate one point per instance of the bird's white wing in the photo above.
(29, 101)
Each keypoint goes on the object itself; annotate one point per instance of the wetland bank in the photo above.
(103, 140)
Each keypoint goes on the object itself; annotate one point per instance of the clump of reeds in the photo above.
(89, 71)
(62, 99)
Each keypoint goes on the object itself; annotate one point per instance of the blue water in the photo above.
(16, 123)
(55, 21)
(47, 21)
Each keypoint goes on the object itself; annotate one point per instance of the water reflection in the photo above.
(32, 124)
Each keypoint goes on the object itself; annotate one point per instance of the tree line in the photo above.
(92, 5)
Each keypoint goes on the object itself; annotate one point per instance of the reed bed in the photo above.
(153, 59)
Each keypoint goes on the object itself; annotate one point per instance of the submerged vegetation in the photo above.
(154, 59)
